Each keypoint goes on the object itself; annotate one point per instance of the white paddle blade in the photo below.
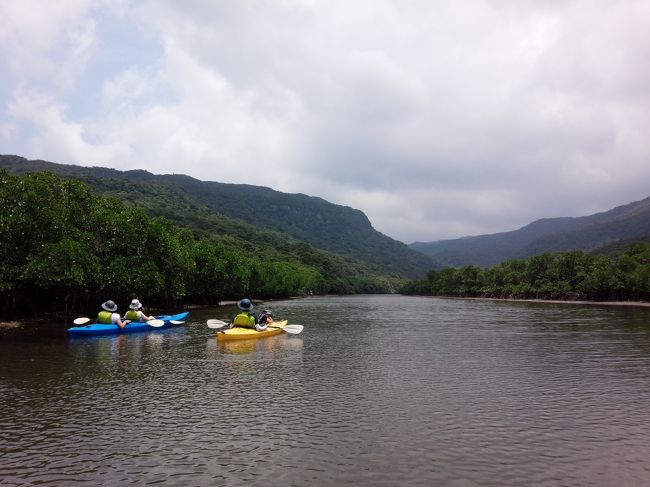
(217, 324)
(292, 329)
(174, 322)
(155, 323)
(81, 321)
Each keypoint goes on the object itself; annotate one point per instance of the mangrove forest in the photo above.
(64, 248)
(572, 275)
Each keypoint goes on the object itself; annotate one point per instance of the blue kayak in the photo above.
(111, 329)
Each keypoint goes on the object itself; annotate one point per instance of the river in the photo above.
(377, 390)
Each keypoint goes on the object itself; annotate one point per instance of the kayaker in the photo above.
(246, 318)
(110, 315)
(135, 312)
(265, 319)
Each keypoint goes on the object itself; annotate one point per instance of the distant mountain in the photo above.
(623, 223)
(335, 228)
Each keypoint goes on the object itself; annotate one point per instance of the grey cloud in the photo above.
(438, 119)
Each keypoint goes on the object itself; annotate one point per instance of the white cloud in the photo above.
(53, 134)
(33, 32)
(7, 132)
(211, 127)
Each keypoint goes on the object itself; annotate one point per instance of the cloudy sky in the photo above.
(438, 119)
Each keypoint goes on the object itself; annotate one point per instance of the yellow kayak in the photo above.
(243, 333)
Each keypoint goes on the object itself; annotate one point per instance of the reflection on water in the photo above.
(377, 390)
(271, 344)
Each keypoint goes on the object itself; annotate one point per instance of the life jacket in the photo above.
(244, 320)
(104, 317)
(131, 315)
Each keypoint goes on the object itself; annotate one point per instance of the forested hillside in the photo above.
(66, 248)
(574, 275)
(624, 223)
(190, 202)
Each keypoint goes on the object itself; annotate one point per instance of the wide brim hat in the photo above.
(135, 304)
(245, 305)
(109, 306)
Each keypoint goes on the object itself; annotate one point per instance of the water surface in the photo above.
(377, 390)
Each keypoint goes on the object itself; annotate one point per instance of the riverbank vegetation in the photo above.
(574, 275)
(63, 248)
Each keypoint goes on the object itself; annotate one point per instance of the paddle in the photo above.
(291, 329)
(154, 323)
(174, 322)
(217, 324)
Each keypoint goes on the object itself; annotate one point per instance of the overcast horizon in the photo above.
(436, 119)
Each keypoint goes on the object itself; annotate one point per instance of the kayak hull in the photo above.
(250, 333)
(133, 326)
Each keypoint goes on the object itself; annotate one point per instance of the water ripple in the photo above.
(378, 390)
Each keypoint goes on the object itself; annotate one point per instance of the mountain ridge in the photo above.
(590, 232)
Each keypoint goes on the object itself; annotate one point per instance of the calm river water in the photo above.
(377, 390)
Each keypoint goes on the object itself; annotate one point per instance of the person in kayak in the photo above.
(265, 319)
(110, 315)
(135, 312)
(245, 318)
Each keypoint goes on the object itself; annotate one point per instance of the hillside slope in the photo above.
(623, 223)
(335, 228)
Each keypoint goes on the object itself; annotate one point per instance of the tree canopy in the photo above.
(65, 248)
(562, 275)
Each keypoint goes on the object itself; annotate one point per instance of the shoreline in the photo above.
(16, 324)
(640, 304)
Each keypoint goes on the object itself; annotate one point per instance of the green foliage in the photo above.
(64, 248)
(248, 214)
(563, 275)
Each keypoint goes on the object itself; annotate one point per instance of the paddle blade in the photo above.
(292, 329)
(174, 322)
(155, 323)
(81, 321)
(214, 324)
